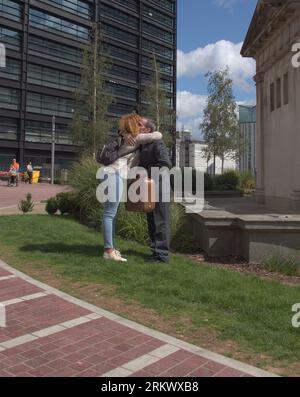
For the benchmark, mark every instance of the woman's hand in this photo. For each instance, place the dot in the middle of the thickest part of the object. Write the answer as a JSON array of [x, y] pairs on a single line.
[[129, 140]]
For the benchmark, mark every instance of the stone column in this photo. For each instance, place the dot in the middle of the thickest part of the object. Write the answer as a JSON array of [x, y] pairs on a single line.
[[260, 150]]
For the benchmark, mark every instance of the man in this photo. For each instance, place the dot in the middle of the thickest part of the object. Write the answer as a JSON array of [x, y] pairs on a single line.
[[13, 171], [155, 155]]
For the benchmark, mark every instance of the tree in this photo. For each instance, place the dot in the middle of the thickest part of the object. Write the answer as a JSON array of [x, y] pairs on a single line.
[[155, 102], [90, 123], [220, 124]]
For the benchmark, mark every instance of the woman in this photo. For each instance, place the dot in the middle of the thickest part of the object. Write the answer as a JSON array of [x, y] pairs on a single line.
[[130, 127]]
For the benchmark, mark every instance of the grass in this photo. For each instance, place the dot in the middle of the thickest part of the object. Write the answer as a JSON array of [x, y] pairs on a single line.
[[290, 266], [252, 312]]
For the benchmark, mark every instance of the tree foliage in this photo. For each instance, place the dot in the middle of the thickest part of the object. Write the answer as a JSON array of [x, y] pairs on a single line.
[[220, 123], [90, 124], [155, 102]]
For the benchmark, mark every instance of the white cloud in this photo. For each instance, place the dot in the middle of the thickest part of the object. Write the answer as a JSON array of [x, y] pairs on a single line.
[[190, 105], [218, 56]]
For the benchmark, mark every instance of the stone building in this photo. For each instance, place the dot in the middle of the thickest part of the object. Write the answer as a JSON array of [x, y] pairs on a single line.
[[272, 39]]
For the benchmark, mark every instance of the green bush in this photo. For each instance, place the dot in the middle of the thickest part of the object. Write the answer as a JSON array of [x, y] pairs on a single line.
[[26, 205], [230, 180], [208, 182], [51, 206], [65, 202], [247, 181], [280, 263]]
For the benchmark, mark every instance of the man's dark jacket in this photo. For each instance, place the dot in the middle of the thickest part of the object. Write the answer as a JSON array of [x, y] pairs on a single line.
[[154, 154]]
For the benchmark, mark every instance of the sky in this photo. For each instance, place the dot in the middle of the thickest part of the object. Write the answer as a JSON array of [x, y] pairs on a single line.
[[210, 37]]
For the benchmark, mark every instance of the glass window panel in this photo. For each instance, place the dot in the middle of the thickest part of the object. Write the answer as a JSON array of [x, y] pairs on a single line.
[[12, 70], [77, 7], [10, 37], [11, 10], [8, 128], [9, 98], [43, 20]]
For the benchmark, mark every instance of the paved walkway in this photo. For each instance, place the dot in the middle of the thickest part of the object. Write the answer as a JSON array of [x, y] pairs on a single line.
[[49, 333], [11, 196]]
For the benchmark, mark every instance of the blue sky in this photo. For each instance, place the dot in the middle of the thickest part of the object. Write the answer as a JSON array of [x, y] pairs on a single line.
[[210, 35]]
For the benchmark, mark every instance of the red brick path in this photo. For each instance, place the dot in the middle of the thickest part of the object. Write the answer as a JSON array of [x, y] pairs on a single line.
[[10, 196], [93, 348]]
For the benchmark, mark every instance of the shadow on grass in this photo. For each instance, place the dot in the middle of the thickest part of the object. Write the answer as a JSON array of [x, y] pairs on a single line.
[[59, 248], [76, 249]]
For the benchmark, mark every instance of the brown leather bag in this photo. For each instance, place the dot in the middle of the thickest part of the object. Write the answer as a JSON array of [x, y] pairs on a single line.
[[148, 203]]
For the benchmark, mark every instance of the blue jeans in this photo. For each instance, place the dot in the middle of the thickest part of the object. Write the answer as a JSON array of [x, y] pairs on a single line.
[[111, 210]]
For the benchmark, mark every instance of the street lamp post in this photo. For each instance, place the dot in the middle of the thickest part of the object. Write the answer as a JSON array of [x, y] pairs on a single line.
[[53, 150]]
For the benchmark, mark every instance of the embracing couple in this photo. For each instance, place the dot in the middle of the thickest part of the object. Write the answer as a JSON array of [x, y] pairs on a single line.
[[141, 146]]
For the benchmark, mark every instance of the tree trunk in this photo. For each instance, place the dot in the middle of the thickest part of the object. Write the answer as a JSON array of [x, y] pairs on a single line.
[[157, 93], [95, 89]]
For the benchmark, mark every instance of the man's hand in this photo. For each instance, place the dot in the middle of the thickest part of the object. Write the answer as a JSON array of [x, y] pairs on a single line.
[[129, 139]]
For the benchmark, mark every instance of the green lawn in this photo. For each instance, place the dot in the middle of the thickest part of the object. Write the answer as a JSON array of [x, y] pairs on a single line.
[[254, 313]]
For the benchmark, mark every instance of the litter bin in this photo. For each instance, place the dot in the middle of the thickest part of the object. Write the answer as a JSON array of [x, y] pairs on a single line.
[[35, 176]]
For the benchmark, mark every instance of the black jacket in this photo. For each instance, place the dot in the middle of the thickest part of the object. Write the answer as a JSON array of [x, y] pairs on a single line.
[[154, 154]]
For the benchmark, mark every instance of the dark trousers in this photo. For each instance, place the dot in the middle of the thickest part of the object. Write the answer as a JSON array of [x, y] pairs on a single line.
[[159, 231]]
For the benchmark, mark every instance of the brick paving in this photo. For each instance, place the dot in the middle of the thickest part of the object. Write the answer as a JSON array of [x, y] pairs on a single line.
[[55, 335], [11, 196]]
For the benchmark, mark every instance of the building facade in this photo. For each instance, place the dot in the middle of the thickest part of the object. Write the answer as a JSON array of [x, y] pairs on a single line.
[[247, 122], [44, 41], [191, 153], [272, 36]]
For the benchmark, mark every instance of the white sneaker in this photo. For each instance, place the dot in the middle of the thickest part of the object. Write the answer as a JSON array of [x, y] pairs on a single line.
[[113, 256]]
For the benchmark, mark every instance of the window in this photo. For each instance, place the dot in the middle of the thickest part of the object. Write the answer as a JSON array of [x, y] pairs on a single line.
[[158, 49], [122, 90], [119, 34], [55, 50], [12, 70], [38, 131], [121, 72], [120, 53], [121, 108], [158, 33], [278, 93], [10, 37], [167, 85], [164, 68], [77, 7], [52, 78], [286, 89], [119, 16], [8, 128], [10, 9], [167, 4], [272, 97], [46, 104], [9, 98], [129, 3], [156, 16], [42, 20]]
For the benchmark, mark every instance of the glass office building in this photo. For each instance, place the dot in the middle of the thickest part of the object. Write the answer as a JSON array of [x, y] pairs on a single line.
[[44, 41], [247, 121]]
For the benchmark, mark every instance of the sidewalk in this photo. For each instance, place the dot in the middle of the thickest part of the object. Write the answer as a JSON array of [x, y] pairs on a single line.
[[52, 334], [11, 196]]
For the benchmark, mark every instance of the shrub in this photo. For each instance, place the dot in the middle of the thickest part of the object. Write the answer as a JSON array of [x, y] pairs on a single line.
[[65, 202], [247, 181], [51, 206], [83, 180], [280, 263], [26, 205], [228, 181], [208, 183]]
